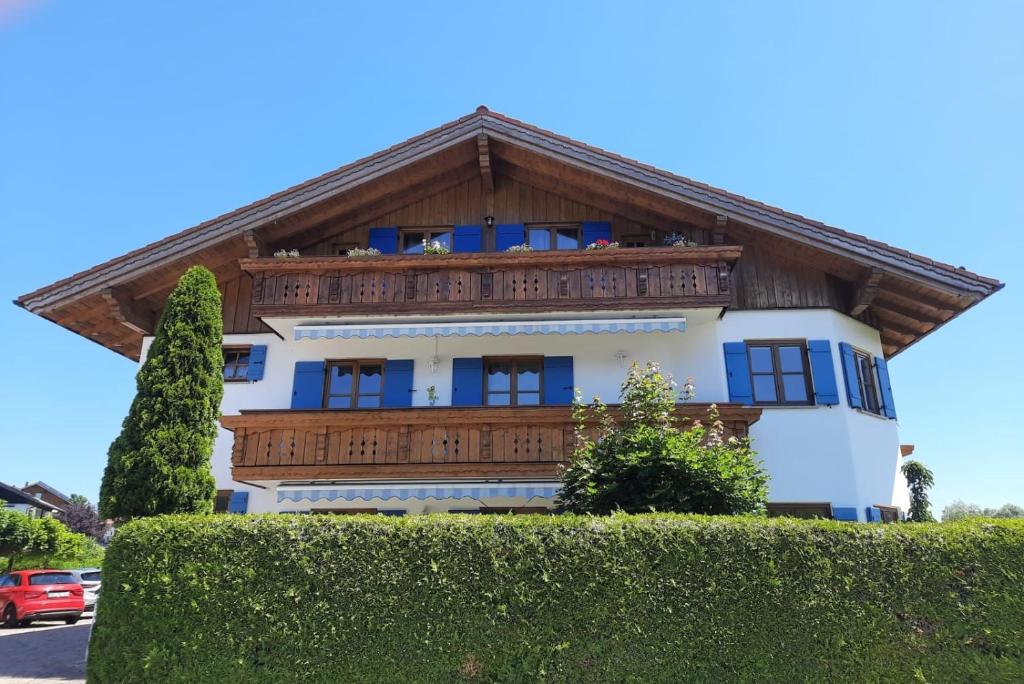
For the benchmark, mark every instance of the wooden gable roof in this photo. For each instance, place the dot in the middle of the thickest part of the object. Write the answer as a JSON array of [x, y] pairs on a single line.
[[116, 302]]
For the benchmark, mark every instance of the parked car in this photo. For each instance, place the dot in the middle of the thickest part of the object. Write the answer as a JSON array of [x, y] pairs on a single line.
[[27, 595], [90, 580]]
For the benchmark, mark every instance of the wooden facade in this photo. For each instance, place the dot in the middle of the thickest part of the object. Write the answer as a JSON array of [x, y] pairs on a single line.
[[420, 442]]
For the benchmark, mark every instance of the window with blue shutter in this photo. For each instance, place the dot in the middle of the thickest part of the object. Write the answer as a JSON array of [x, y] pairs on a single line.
[[468, 239], [850, 375], [384, 239], [823, 372], [558, 380], [468, 382], [508, 235], [885, 388], [257, 362], [398, 383], [596, 230], [239, 502], [873, 514], [737, 369], [308, 385]]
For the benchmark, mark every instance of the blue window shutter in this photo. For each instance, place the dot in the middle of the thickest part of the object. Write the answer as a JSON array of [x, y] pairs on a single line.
[[737, 370], [844, 513], [397, 383], [508, 235], [384, 239], [468, 239], [467, 382], [257, 361], [823, 372], [850, 375], [239, 502], [308, 386], [558, 387], [885, 388], [596, 230], [874, 515]]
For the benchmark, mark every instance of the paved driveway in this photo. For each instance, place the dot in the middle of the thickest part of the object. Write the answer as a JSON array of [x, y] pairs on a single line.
[[47, 652]]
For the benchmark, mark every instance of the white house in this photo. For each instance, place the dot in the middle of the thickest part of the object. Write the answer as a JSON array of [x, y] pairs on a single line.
[[405, 382]]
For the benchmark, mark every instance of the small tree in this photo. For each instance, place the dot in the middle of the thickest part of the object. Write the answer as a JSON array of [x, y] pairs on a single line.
[[43, 538], [648, 463], [160, 463], [15, 534], [81, 516], [919, 480]]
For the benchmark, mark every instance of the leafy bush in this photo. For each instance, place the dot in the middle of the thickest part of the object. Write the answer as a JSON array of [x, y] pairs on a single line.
[[647, 463], [648, 598], [160, 463]]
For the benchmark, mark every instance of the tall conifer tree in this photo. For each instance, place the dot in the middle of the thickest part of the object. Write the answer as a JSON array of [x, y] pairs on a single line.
[[160, 463]]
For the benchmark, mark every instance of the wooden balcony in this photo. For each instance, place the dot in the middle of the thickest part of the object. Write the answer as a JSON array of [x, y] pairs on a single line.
[[436, 442], [642, 278]]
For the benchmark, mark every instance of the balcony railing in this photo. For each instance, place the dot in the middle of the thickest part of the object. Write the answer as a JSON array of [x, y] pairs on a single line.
[[419, 442], [641, 278]]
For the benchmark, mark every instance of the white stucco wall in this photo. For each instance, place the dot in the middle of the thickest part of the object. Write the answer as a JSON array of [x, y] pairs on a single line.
[[814, 454]]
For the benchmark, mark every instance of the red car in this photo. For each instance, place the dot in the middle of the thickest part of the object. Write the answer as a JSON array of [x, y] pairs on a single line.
[[27, 595]]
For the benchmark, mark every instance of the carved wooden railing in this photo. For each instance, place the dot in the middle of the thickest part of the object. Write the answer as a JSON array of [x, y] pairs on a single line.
[[419, 442], [655, 277]]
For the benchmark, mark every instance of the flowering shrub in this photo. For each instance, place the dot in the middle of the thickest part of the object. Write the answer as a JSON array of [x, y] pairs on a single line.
[[435, 247], [286, 253], [360, 252], [679, 240], [520, 248], [602, 244], [647, 463]]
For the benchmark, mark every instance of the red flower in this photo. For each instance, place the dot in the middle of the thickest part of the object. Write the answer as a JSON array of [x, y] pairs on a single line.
[[602, 243]]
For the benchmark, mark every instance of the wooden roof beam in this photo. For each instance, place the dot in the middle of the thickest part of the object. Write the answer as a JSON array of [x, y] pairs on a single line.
[[883, 308], [255, 244], [127, 312], [866, 291], [932, 307]]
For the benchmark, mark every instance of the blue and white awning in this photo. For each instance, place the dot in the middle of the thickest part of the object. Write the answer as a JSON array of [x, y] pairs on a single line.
[[476, 329], [526, 490]]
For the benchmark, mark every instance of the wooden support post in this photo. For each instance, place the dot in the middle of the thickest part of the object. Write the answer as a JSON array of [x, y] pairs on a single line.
[[866, 291], [127, 312], [718, 234], [486, 173]]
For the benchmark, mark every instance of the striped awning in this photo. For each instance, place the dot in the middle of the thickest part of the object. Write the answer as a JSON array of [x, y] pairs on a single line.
[[526, 490], [476, 329]]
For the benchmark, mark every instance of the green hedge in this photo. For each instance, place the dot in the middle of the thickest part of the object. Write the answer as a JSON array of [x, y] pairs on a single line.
[[650, 598]]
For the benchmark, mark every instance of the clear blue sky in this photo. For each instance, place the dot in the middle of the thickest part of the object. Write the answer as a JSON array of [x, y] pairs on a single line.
[[123, 122]]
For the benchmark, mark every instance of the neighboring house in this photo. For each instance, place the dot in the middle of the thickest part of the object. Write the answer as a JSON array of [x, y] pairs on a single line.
[[406, 382], [43, 491], [20, 500]]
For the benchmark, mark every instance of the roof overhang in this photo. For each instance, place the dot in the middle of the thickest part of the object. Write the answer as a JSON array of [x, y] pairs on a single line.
[[115, 287]]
